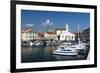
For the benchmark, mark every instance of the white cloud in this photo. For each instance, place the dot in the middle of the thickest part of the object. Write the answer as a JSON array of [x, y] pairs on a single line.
[[44, 24], [29, 25], [47, 22], [51, 23]]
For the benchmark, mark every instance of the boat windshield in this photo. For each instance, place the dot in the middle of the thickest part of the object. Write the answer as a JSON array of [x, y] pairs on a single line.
[[62, 48]]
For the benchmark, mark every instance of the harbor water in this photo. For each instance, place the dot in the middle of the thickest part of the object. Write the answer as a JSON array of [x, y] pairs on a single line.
[[45, 54]]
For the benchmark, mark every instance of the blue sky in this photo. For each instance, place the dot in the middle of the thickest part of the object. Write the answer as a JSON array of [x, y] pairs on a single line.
[[38, 20]]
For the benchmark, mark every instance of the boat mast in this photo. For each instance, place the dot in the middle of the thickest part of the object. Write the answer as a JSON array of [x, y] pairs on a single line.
[[78, 34]]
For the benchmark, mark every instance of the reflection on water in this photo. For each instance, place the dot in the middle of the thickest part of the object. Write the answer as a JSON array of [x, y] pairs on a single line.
[[42, 54]]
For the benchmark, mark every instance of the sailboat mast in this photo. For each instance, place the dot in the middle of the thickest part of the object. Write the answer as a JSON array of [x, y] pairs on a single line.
[[78, 31], [78, 34]]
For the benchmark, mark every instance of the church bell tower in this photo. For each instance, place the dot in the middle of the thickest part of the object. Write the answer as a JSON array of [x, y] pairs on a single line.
[[67, 28]]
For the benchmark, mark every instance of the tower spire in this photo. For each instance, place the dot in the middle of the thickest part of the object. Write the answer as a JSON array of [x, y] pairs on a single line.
[[67, 28]]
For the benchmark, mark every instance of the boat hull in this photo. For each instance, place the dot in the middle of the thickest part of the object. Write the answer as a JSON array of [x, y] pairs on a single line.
[[65, 53]]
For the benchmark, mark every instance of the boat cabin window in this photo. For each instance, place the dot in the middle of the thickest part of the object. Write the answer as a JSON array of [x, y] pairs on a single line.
[[69, 50]]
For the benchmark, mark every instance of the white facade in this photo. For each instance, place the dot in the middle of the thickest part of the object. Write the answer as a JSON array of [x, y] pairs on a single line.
[[66, 35], [27, 36], [59, 31], [51, 35]]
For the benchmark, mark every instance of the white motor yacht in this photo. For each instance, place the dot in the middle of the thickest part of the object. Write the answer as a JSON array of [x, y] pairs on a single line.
[[69, 50], [63, 50]]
